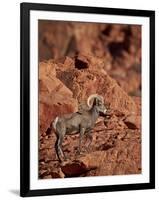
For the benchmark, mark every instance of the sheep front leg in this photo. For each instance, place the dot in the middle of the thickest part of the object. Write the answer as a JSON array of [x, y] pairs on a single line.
[[90, 138], [82, 131]]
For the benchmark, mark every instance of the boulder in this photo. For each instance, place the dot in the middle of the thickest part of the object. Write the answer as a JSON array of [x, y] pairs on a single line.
[[57, 173], [47, 68], [81, 165], [54, 97], [133, 122]]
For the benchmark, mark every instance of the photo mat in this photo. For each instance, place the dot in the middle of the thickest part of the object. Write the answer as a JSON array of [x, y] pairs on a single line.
[[143, 34], [72, 56]]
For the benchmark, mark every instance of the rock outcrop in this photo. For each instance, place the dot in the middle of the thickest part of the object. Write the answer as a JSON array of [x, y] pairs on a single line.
[[116, 145], [54, 97]]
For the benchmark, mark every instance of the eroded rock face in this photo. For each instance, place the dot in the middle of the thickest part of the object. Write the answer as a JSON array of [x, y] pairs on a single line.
[[115, 160], [116, 144], [133, 121], [89, 80], [54, 97], [117, 46], [115, 150]]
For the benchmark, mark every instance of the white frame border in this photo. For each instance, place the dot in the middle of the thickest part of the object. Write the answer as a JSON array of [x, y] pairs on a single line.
[[36, 183]]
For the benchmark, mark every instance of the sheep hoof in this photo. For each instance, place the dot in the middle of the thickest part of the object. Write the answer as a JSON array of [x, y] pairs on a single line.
[[66, 159]]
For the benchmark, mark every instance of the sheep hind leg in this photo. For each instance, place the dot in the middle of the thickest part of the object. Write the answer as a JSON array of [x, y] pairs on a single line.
[[58, 147]]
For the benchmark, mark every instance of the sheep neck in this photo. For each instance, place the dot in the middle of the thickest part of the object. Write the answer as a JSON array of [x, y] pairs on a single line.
[[94, 113]]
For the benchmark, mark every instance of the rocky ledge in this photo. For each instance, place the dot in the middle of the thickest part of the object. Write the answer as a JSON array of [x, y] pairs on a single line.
[[64, 87]]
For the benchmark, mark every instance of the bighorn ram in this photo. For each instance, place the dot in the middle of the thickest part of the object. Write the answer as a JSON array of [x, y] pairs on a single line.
[[78, 122]]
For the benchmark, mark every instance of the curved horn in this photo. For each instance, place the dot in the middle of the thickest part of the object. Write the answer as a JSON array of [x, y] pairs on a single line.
[[93, 96]]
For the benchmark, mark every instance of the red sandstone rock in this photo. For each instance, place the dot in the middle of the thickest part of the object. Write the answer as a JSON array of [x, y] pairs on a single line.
[[74, 169], [86, 82], [81, 164], [57, 173], [46, 69], [54, 97], [133, 122], [91, 62], [111, 161], [116, 147]]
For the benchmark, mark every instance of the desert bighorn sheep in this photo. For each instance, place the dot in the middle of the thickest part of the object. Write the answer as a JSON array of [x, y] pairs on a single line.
[[78, 122]]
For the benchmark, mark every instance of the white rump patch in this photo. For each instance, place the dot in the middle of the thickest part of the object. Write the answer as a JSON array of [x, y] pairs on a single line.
[[55, 122]]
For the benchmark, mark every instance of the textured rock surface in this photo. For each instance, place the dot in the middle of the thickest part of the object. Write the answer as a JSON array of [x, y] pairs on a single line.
[[54, 97], [118, 47], [116, 145], [76, 60], [90, 80], [133, 122]]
